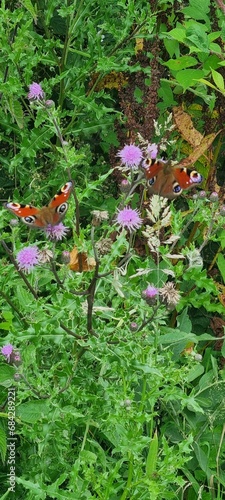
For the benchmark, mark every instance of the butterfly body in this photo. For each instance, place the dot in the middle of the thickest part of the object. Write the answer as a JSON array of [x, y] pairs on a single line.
[[167, 181], [51, 214]]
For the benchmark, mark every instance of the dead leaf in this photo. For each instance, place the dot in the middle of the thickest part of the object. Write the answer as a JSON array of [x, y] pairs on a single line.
[[186, 128]]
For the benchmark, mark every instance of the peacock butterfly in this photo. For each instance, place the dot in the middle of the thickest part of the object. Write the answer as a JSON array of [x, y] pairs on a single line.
[[167, 181], [52, 214]]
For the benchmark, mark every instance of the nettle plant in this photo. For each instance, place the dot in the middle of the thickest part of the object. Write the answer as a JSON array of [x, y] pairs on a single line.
[[105, 341]]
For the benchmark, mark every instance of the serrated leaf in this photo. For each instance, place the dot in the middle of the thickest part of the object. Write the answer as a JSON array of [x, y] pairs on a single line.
[[32, 411], [16, 111], [31, 8]]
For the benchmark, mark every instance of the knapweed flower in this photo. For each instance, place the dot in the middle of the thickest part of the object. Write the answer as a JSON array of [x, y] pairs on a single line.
[[150, 294], [99, 216], [35, 92], [7, 350], [57, 232], [129, 218], [131, 156], [27, 258], [152, 151], [169, 295]]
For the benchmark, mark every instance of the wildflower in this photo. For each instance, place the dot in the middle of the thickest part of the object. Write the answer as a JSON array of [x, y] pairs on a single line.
[[202, 194], [45, 255], [125, 186], [170, 296], [130, 155], [152, 151], [35, 92], [214, 196], [27, 258], [150, 294], [66, 257], [57, 232], [7, 350], [222, 211], [49, 103], [129, 218], [104, 246], [15, 358], [133, 326], [99, 216]]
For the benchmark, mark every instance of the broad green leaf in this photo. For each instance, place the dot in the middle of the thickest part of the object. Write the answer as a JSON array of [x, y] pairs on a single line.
[[188, 77], [181, 63], [221, 265], [32, 411], [178, 34], [195, 372], [218, 79]]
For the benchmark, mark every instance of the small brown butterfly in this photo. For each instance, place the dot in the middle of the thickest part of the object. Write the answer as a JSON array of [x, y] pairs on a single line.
[[52, 214]]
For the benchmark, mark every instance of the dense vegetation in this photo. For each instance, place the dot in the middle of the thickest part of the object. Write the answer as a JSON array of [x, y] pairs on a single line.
[[112, 321]]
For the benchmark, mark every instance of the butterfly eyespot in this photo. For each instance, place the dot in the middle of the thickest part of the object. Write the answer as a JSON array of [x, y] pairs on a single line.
[[29, 219], [176, 188], [61, 209], [152, 181]]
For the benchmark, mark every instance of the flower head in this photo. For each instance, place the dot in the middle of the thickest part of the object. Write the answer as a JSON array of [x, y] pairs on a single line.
[[152, 151], [104, 246], [170, 296], [150, 294], [130, 155], [129, 218], [27, 258], [7, 350], [35, 92], [45, 255], [65, 257], [57, 232], [214, 196]]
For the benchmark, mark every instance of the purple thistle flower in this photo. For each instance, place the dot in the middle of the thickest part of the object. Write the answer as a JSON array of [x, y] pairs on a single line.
[[150, 294], [27, 258], [152, 151], [7, 350], [128, 218], [35, 92], [130, 155], [57, 232]]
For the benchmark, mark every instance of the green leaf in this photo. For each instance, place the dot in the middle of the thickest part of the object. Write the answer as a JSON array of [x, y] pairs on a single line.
[[188, 77], [3, 443], [172, 47], [32, 411], [181, 63], [152, 456], [195, 372], [197, 35], [178, 34], [221, 265], [16, 111], [31, 8], [218, 80]]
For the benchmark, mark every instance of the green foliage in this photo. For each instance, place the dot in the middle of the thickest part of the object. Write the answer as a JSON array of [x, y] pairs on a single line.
[[118, 396]]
